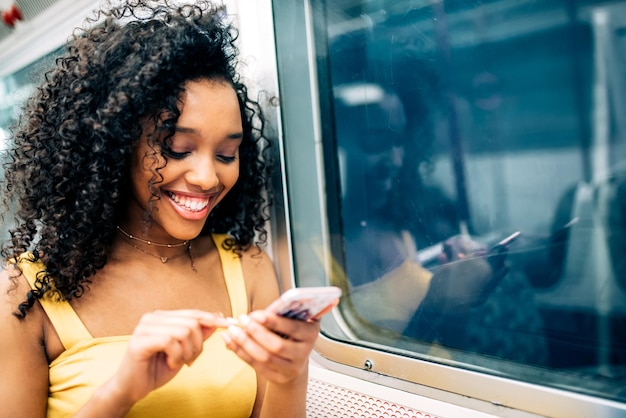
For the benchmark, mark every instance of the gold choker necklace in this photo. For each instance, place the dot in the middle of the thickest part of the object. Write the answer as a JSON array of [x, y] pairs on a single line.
[[163, 259], [166, 259], [156, 244]]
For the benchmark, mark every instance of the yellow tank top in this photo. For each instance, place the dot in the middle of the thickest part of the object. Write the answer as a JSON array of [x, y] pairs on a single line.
[[218, 384]]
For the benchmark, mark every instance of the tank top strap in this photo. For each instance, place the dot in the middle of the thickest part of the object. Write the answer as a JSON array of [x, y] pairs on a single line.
[[66, 322], [233, 275]]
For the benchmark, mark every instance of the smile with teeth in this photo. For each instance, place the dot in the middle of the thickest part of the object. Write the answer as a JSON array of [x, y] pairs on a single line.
[[192, 204]]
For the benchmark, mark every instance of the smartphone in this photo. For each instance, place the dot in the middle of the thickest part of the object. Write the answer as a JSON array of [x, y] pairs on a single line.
[[503, 245], [306, 303]]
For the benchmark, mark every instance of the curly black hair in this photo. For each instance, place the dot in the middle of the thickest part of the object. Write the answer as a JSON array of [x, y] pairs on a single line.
[[70, 160]]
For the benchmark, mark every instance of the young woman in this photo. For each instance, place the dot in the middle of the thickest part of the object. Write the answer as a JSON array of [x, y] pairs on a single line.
[[139, 178]]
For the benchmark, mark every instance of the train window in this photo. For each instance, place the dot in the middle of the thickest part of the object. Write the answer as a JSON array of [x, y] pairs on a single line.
[[445, 128], [15, 88]]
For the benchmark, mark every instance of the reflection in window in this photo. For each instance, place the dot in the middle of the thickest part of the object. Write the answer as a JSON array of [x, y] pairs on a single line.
[[458, 124]]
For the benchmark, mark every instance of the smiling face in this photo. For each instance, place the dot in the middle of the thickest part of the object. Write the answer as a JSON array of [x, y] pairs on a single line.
[[371, 136], [202, 164]]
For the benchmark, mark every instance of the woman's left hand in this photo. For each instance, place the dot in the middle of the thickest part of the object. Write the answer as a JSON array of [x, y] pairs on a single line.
[[278, 348]]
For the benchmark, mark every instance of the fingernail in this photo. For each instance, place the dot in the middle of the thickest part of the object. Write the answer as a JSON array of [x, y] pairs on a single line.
[[260, 317], [244, 320], [234, 331]]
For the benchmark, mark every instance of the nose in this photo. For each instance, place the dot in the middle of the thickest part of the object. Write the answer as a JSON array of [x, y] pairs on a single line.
[[203, 174]]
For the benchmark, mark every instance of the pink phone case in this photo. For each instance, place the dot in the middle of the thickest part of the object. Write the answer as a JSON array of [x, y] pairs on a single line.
[[306, 302]]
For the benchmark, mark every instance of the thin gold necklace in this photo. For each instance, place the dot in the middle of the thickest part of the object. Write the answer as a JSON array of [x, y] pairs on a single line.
[[163, 259], [156, 244]]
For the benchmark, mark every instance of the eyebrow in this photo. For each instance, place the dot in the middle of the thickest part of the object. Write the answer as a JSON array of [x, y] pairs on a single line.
[[236, 135]]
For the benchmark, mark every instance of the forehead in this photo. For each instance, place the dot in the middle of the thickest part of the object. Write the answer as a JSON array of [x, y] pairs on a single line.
[[208, 109], [214, 96]]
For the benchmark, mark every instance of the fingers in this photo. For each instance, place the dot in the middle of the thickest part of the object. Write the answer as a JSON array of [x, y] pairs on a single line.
[[268, 363], [276, 347], [459, 247], [178, 334], [296, 330], [161, 344]]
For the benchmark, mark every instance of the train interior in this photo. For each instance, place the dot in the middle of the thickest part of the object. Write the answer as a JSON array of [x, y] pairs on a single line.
[[409, 132]]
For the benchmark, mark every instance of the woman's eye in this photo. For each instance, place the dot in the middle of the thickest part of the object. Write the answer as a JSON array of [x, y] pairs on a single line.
[[168, 152], [226, 158]]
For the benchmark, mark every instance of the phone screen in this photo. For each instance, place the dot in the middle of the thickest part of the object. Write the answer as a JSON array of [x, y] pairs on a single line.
[[503, 245], [306, 303]]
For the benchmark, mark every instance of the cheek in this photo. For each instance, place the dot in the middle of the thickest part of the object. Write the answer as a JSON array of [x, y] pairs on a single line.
[[140, 180], [228, 178], [231, 175], [140, 176]]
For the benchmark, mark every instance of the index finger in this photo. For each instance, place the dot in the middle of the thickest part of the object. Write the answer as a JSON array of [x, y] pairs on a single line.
[[211, 320], [204, 318]]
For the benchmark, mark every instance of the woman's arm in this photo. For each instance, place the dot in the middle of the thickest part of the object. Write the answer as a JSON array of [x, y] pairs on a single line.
[[278, 348], [23, 361], [161, 344]]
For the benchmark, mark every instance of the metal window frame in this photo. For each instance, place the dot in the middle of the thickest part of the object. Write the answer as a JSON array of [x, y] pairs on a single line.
[[304, 160]]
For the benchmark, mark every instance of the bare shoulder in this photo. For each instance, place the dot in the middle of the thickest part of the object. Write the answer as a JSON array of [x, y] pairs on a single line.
[[256, 259], [260, 277], [24, 379]]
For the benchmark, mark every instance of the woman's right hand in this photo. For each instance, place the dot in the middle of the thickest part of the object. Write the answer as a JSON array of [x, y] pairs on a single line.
[[467, 275], [162, 343]]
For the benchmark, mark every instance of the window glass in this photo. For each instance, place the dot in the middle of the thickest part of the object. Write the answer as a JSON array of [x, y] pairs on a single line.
[[15, 89], [458, 125]]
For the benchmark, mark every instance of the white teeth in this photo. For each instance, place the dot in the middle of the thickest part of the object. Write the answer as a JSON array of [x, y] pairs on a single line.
[[192, 204]]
